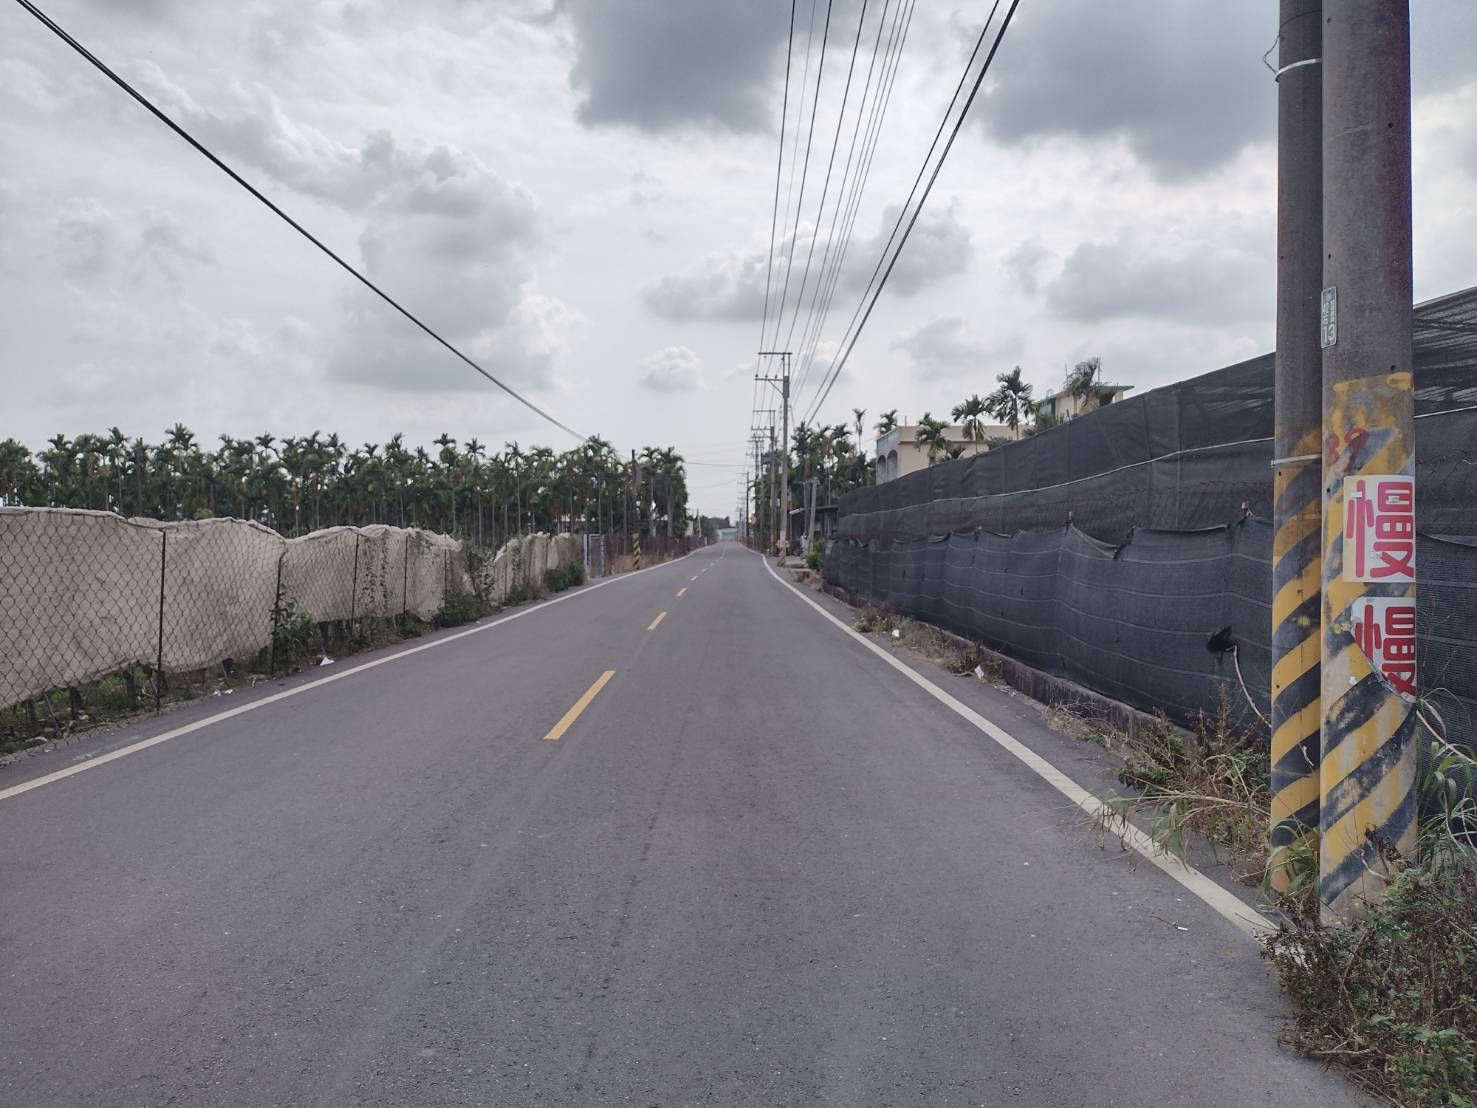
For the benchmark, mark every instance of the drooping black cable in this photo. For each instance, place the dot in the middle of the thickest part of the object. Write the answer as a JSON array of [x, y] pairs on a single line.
[[294, 224], [840, 363]]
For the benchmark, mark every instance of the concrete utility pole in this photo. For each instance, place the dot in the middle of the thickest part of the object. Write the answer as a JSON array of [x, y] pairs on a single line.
[[762, 522], [1297, 487], [773, 526], [783, 380], [1368, 763]]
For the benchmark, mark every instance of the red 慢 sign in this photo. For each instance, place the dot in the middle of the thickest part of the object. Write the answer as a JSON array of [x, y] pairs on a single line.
[[1379, 529], [1384, 628]]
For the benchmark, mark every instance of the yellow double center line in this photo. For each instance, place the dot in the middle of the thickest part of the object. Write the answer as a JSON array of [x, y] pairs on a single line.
[[567, 720]]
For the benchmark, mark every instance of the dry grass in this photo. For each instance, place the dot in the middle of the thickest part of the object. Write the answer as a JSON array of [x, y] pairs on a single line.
[[1214, 786]]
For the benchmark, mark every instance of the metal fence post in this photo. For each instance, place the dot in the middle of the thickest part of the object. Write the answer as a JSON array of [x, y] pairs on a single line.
[[354, 589], [159, 653], [405, 578], [276, 614]]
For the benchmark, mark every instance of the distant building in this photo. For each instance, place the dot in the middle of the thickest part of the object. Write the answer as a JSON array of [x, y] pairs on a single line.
[[1063, 406], [898, 451]]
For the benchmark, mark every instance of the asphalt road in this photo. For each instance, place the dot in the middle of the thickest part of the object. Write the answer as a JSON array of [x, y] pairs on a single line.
[[759, 868]]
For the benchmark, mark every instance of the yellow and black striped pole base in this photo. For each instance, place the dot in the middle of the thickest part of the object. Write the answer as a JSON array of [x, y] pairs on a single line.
[[1368, 751], [636, 550], [1297, 559]]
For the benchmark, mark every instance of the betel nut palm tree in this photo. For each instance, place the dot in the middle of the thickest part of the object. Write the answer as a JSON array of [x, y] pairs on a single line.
[[933, 436], [969, 415], [1010, 403]]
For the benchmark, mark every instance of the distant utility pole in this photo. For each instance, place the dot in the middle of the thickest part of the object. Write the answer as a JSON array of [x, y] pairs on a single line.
[[1370, 728], [762, 522], [783, 380], [1297, 488], [773, 500]]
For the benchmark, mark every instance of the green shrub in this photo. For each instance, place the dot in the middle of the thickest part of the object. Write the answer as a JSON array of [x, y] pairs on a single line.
[[293, 635], [816, 559], [1392, 999], [564, 577], [458, 607]]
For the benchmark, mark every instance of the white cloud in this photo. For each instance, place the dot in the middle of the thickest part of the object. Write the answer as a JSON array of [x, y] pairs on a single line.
[[673, 369], [950, 347]]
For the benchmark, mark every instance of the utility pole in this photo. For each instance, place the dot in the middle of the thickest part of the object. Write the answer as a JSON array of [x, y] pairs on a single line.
[[1297, 485], [773, 526], [783, 380], [1369, 735]]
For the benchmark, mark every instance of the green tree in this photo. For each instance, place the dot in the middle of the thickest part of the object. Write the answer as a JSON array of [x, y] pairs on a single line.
[[933, 436], [969, 415], [1010, 403], [1083, 384]]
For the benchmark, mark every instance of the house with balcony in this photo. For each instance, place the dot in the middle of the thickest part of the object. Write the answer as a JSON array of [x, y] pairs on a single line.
[[898, 452], [1062, 406]]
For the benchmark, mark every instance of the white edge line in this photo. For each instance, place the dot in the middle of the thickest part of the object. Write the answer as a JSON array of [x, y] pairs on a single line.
[[1245, 919], [178, 732]]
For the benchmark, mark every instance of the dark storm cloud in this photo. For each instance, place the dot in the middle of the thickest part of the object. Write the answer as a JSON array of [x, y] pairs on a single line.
[[660, 66], [1181, 81]]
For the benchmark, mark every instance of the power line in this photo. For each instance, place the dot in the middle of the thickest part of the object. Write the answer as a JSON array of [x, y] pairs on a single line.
[[892, 60], [838, 364], [848, 182], [820, 75], [51, 25], [830, 165], [778, 165], [795, 155], [917, 180]]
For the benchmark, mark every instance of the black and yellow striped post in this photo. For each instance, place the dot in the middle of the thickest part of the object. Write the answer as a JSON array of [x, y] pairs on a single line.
[[1297, 489], [636, 550], [1368, 750]]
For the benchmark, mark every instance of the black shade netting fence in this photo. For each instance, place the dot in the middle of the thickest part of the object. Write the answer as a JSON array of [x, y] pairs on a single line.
[[1191, 455], [1162, 622]]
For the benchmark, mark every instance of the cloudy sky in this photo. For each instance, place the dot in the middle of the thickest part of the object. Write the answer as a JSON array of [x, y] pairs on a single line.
[[580, 194]]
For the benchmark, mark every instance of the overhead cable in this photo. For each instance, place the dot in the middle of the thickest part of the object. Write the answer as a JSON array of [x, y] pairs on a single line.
[[820, 76], [891, 60], [294, 224], [840, 362]]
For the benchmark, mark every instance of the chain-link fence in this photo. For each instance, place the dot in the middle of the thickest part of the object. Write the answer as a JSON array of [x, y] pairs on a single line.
[[85, 595]]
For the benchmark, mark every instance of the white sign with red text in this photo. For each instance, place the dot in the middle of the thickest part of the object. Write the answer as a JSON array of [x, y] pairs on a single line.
[[1384, 628], [1379, 529]]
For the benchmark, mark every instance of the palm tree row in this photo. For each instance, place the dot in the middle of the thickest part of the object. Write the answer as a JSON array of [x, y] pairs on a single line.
[[826, 454], [297, 485]]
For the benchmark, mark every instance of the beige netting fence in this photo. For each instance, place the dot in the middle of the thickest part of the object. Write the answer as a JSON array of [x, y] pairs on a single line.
[[86, 594]]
